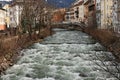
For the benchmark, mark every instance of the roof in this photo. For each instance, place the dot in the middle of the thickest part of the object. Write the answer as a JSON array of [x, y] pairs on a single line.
[[79, 3]]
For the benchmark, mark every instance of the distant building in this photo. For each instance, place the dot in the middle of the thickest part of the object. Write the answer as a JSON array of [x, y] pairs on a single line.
[[7, 8], [58, 15], [86, 11], [69, 15], [76, 12], [2, 19], [15, 12], [79, 11], [116, 15]]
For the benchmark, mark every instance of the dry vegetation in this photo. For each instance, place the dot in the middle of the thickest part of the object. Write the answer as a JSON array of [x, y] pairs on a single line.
[[34, 20], [108, 39]]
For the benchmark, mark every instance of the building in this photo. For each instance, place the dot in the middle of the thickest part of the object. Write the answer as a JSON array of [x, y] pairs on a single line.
[[98, 13], [116, 15], [7, 8], [76, 12], [69, 15], [58, 15], [79, 11], [92, 14], [2, 19], [15, 12], [104, 13]]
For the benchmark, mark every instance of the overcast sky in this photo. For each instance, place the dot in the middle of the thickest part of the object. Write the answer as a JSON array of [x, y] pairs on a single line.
[[5, 0]]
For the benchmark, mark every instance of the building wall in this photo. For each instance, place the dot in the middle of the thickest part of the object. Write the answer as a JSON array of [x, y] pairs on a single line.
[[98, 13], [70, 15], [86, 13], [106, 14], [2, 19], [15, 12], [116, 15], [58, 15], [7, 8], [76, 12], [92, 14], [81, 13]]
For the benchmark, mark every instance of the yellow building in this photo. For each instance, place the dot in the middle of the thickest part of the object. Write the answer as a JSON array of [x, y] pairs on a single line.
[[106, 14]]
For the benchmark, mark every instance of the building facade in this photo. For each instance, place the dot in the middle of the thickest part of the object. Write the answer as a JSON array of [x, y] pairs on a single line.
[[104, 14], [69, 15], [92, 14], [76, 12], [116, 15], [7, 8], [15, 12], [86, 11], [98, 13]]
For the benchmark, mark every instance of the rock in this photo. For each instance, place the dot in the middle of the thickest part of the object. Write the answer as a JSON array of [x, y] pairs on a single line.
[[82, 75]]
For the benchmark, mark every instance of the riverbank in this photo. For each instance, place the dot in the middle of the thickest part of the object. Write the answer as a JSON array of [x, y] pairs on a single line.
[[10, 47], [106, 38]]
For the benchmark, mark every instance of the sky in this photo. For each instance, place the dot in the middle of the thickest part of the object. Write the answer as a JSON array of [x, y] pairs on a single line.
[[5, 0], [57, 3]]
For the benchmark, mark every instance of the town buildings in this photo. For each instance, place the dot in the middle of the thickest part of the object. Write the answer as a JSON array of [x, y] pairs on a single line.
[[101, 14]]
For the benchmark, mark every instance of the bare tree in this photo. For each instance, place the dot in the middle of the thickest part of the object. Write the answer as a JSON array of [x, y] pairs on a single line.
[[108, 64], [35, 14]]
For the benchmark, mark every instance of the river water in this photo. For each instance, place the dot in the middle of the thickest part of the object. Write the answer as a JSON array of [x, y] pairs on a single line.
[[66, 55]]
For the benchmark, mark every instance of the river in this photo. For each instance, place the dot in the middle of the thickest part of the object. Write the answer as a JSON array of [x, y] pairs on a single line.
[[66, 55]]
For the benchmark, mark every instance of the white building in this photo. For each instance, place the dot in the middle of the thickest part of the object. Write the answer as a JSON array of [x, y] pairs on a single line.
[[15, 13], [116, 15], [76, 12]]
